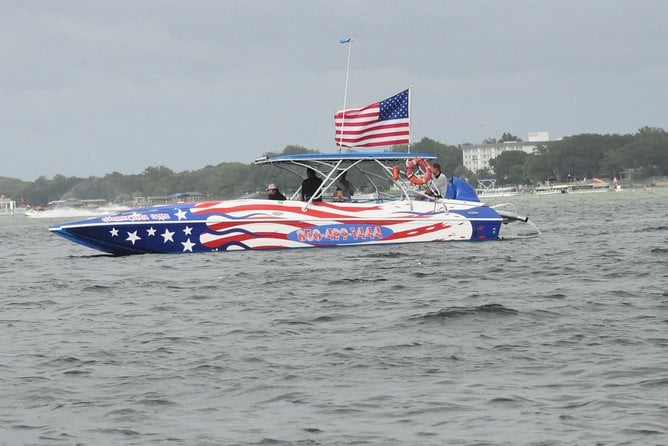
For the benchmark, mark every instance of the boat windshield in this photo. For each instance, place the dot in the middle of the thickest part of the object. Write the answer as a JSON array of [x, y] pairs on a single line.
[[383, 171]]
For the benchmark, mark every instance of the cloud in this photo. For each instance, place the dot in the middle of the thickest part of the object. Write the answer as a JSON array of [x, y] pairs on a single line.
[[89, 88]]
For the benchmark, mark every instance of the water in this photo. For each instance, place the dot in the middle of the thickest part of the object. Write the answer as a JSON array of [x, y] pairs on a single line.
[[558, 339]]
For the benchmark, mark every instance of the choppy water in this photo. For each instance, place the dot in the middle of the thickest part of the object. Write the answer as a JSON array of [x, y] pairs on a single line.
[[548, 340]]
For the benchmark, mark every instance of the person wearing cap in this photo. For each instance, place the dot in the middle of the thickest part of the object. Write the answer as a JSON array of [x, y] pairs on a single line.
[[273, 193]]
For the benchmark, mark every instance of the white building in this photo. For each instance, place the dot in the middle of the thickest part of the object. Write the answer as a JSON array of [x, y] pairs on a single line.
[[477, 156]]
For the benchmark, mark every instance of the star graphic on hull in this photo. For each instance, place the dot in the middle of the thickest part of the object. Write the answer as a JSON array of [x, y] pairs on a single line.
[[114, 232], [180, 214], [188, 230], [167, 236], [188, 245], [133, 237], [151, 231]]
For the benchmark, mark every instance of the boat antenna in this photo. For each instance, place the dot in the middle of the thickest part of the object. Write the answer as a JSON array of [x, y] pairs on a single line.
[[349, 41]]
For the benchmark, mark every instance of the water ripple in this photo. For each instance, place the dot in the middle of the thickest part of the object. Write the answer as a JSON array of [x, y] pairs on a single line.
[[552, 340]]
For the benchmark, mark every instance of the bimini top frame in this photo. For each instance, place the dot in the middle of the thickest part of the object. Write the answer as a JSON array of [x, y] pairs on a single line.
[[330, 166]]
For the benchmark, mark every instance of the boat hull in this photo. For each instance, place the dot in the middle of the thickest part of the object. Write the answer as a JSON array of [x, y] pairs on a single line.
[[266, 224]]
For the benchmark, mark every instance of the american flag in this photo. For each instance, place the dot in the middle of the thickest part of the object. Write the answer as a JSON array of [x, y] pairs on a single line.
[[383, 123]]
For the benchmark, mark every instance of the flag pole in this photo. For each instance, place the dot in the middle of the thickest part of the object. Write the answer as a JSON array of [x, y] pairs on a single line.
[[345, 91], [410, 113]]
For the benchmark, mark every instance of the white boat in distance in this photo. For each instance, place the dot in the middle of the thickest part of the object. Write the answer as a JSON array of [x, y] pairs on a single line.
[[251, 224], [487, 189], [547, 188], [572, 188], [7, 205]]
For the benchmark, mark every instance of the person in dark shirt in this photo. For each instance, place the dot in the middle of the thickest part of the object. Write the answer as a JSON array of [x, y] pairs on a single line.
[[310, 185], [273, 193]]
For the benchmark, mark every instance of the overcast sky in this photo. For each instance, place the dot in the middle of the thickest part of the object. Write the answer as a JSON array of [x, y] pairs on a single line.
[[94, 87]]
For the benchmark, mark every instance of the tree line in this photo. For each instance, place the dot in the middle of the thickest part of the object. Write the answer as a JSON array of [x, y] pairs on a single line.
[[641, 156], [644, 153]]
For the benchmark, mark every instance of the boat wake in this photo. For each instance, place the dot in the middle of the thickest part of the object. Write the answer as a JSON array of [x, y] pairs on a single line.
[[73, 212]]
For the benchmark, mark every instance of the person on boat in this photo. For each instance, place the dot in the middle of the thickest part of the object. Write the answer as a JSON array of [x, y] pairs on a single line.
[[310, 185], [438, 183], [273, 193], [346, 187], [338, 195]]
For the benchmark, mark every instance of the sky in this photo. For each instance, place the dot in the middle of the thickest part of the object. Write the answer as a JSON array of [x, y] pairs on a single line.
[[89, 88]]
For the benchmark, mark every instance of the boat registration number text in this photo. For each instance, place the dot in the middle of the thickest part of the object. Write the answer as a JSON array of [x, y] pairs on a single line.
[[340, 234]]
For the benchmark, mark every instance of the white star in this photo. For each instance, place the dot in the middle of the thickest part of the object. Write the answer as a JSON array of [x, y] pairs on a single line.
[[180, 214], [150, 231], [114, 232], [167, 236], [188, 230], [133, 237], [188, 245]]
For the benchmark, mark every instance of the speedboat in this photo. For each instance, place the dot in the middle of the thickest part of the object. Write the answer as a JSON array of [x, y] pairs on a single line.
[[399, 206]]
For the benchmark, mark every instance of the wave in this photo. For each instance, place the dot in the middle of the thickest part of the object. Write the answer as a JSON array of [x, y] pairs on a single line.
[[652, 228], [459, 312]]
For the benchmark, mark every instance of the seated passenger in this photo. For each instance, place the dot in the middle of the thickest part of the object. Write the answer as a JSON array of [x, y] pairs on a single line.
[[273, 193], [338, 195], [346, 187]]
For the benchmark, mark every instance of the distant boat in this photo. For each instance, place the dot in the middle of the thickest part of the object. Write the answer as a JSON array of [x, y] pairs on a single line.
[[548, 189], [588, 186], [487, 189], [7, 206], [584, 186]]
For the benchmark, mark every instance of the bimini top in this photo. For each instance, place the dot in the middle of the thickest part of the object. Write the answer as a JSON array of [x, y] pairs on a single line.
[[382, 166], [349, 156]]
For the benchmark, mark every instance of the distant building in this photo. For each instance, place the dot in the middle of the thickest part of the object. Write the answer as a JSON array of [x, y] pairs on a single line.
[[477, 156]]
